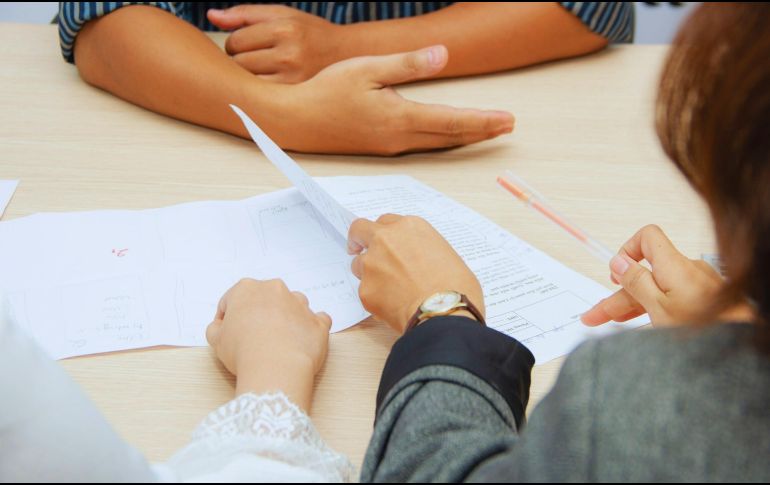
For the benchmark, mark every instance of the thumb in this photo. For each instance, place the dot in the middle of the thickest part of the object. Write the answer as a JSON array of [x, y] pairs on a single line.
[[638, 281], [405, 67]]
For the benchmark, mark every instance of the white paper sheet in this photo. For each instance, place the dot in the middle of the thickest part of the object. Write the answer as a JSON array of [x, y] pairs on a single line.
[[528, 294], [7, 189], [92, 282], [338, 216]]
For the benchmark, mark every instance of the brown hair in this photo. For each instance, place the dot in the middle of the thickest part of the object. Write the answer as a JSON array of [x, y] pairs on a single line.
[[713, 120]]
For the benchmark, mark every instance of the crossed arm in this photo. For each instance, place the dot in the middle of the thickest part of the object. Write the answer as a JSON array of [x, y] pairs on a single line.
[[151, 58], [289, 45]]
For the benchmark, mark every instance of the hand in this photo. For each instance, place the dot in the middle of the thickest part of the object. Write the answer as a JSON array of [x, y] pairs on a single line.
[[268, 337], [349, 108], [406, 261], [674, 292], [280, 43]]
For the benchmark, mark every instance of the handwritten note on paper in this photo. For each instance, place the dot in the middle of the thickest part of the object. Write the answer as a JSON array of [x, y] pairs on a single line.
[[338, 216], [7, 189]]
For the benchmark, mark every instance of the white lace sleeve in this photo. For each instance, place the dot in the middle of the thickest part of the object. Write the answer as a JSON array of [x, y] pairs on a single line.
[[258, 438]]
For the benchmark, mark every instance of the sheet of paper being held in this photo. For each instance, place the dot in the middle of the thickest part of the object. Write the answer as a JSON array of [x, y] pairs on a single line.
[[332, 211]]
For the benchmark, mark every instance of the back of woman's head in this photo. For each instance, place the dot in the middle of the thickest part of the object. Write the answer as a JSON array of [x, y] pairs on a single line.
[[713, 119]]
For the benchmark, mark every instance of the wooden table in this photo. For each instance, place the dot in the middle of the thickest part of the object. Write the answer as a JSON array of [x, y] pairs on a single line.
[[584, 136]]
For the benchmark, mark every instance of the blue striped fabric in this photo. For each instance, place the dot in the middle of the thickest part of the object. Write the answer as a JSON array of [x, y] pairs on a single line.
[[613, 20]]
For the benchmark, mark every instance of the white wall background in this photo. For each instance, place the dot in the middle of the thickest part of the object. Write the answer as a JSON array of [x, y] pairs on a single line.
[[29, 12], [654, 25], [658, 24]]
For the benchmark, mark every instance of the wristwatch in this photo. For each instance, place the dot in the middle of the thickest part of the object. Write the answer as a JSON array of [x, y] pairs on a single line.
[[441, 304]]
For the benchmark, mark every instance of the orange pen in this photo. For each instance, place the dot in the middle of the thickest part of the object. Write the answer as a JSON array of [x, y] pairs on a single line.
[[522, 191]]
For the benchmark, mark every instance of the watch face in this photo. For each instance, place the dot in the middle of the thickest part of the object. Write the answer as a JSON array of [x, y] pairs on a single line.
[[441, 302]]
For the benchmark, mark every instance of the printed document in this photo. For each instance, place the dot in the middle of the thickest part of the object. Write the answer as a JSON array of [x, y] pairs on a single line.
[[91, 282]]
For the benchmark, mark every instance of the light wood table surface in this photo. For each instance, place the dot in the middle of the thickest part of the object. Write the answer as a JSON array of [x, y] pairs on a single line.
[[584, 137]]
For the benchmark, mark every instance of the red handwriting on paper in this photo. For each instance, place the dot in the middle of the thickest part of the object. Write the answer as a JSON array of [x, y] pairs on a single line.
[[119, 252]]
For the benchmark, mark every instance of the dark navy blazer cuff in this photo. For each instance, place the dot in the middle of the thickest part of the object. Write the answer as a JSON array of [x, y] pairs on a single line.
[[501, 361]]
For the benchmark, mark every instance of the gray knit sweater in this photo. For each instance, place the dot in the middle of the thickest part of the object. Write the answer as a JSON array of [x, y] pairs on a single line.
[[660, 405]]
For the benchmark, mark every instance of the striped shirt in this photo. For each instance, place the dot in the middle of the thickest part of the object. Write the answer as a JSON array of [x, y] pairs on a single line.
[[612, 20]]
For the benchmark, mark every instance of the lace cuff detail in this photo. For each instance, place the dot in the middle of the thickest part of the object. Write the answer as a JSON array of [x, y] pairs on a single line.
[[268, 426]]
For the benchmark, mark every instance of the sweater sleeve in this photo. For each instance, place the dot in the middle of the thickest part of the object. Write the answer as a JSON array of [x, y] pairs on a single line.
[[49, 430], [452, 395], [558, 442], [461, 418]]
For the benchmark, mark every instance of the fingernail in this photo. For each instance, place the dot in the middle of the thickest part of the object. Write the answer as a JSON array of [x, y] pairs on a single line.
[[618, 265], [505, 121], [585, 321], [216, 10], [354, 247], [434, 56]]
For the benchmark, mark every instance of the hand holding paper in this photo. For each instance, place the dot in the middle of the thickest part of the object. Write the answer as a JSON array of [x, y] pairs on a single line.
[[407, 260]]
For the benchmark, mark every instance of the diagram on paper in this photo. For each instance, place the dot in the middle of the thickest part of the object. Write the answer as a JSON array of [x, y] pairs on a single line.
[[536, 320], [287, 227]]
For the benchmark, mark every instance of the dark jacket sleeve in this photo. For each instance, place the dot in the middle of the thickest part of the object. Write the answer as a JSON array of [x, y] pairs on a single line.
[[452, 395], [451, 408]]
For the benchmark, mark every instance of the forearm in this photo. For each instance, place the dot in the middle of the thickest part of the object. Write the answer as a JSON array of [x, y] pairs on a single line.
[[481, 37], [153, 59]]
